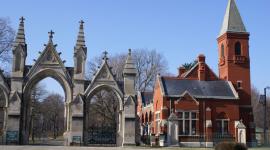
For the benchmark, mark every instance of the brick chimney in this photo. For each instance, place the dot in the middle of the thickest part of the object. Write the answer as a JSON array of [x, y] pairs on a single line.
[[201, 70], [181, 71]]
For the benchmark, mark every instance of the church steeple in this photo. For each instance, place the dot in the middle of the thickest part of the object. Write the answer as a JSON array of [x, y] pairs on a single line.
[[232, 20], [20, 37]]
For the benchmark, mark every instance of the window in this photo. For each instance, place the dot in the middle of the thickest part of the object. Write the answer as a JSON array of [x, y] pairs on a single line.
[[157, 122], [187, 123], [222, 126], [238, 48], [239, 84], [222, 51]]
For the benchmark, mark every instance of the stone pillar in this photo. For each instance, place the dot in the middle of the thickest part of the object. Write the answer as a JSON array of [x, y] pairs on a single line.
[[76, 133], [13, 119], [129, 123], [172, 134]]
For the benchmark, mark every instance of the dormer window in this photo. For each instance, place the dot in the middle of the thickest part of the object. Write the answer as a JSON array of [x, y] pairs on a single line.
[[238, 48]]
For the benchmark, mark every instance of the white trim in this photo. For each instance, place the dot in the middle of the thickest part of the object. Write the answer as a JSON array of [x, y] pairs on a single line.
[[233, 89]]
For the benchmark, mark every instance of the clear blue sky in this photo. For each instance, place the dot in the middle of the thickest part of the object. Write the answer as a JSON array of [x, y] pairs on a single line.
[[179, 29]]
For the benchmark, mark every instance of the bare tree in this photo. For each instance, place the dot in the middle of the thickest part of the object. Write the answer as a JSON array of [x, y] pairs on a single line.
[[148, 63], [7, 34], [37, 95], [52, 110], [258, 108]]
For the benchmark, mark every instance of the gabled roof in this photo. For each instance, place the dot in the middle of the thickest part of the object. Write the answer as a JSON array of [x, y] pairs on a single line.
[[232, 20], [147, 97], [188, 95], [49, 56], [173, 87], [195, 68], [104, 76]]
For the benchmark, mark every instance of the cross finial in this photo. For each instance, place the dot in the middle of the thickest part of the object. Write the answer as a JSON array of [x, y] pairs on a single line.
[[81, 22], [22, 19], [105, 53], [51, 34]]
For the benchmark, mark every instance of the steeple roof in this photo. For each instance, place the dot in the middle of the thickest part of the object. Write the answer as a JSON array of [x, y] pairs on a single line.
[[130, 67], [80, 39], [20, 37], [232, 20]]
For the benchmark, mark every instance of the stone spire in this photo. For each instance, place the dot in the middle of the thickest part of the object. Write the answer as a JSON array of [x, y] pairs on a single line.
[[20, 37], [130, 67], [80, 39], [232, 20]]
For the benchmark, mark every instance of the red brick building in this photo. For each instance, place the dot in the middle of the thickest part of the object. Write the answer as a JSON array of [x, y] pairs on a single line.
[[199, 107]]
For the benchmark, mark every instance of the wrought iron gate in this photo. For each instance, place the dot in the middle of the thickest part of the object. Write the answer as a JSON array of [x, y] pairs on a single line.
[[103, 135]]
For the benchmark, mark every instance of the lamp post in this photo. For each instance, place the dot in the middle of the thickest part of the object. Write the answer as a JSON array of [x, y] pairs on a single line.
[[265, 108]]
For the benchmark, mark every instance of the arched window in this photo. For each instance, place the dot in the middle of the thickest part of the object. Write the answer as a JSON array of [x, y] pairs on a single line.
[[222, 50], [238, 48]]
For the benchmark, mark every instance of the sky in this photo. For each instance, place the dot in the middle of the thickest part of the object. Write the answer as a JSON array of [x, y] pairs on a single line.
[[178, 29]]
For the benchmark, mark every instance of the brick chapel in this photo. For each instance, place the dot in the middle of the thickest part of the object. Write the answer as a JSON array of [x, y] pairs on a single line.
[[199, 107]]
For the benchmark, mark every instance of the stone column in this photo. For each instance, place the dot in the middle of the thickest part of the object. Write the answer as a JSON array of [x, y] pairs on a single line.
[[13, 119], [129, 123], [76, 132], [172, 134]]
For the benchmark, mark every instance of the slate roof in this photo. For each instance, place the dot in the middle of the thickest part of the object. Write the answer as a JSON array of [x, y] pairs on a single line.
[[147, 97], [173, 87]]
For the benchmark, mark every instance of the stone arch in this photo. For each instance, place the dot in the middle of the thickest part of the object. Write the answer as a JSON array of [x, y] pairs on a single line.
[[97, 88], [120, 118], [3, 107], [29, 85]]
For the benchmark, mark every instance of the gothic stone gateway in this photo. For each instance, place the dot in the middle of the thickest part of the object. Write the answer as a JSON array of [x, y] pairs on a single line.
[[16, 90]]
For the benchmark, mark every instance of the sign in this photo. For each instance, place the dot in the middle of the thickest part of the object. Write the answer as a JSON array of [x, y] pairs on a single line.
[[76, 139], [12, 136]]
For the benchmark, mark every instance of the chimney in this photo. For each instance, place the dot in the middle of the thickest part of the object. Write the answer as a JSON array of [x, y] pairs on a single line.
[[181, 71], [201, 71]]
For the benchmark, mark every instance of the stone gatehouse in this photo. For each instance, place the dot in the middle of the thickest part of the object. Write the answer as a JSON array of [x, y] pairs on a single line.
[[15, 91]]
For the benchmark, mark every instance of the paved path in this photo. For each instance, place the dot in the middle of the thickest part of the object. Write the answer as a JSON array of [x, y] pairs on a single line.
[[29, 147]]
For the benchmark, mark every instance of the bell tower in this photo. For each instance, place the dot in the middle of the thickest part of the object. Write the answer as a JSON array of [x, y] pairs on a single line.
[[234, 61], [233, 43]]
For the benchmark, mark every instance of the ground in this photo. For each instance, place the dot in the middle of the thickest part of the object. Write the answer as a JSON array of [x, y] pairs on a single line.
[[100, 148]]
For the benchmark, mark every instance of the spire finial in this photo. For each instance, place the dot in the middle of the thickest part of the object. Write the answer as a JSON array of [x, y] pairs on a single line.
[[51, 33], [20, 37], [105, 53], [80, 39], [129, 51], [22, 19], [81, 22]]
